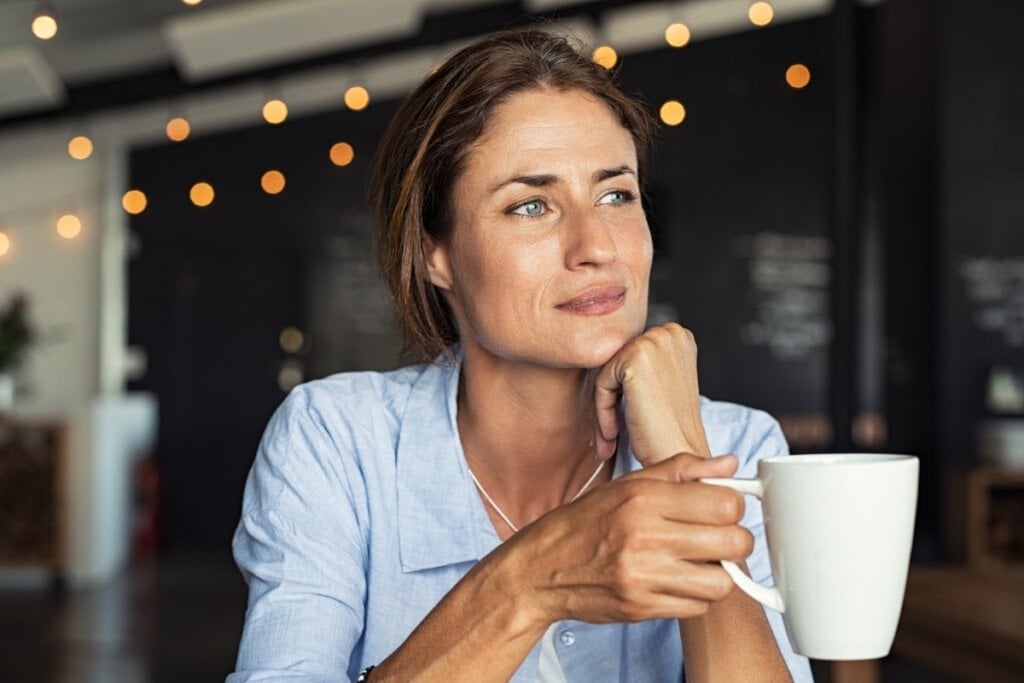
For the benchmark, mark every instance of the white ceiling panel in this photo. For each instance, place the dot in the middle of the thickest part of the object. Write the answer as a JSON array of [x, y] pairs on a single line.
[[642, 27], [240, 38], [116, 55], [27, 81]]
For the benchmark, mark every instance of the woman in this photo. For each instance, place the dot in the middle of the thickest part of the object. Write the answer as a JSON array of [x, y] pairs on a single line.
[[526, 506]]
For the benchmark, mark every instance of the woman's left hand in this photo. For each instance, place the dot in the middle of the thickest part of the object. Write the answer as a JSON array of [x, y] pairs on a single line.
[[656, 375]]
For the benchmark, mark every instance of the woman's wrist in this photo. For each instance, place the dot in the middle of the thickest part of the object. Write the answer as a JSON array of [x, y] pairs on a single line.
[[512, 583]]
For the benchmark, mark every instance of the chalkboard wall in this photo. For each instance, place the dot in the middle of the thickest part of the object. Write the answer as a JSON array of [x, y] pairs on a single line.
[[980, 219]]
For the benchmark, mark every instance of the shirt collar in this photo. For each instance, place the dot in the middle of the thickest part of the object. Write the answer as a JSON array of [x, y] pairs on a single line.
[[438, 508]]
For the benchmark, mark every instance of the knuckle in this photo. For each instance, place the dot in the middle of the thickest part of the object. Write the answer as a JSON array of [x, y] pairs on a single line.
[[730, 506], [740, 543], [623, 581], [720, 586], [682, 334], [635, 495]]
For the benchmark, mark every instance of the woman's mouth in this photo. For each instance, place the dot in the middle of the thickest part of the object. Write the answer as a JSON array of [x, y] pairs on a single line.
[[595, 301]]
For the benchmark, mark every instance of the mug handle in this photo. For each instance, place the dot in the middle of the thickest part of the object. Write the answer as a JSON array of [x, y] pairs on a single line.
[[767, 596]]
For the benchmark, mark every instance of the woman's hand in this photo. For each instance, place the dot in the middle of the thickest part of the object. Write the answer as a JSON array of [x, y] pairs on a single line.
[[657, 374], [636, 548]]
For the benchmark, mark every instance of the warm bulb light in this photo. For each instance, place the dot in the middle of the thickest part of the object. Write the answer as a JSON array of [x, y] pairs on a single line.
[[761, 14], [357, 98], [80, 147], [68, 226], [134, 202], [672, 113], [798, 76], [192, 3], [605, 56], [5, 244], [201, 194], [677, 35], [291, 339], [44, 25], [272, 182], [275, 112], [178, 129], [342, 154]]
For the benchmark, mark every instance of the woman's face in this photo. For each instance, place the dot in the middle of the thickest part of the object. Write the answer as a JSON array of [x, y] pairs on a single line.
[[550, 254]]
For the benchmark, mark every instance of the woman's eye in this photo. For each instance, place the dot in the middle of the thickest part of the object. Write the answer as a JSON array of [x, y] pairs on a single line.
[[617, 197], [531, 208]]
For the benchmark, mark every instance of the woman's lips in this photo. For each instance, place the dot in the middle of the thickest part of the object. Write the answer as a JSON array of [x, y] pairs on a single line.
[[596, 301]]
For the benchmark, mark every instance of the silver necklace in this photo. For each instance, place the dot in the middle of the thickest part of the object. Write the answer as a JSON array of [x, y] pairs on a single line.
[[501, 513]]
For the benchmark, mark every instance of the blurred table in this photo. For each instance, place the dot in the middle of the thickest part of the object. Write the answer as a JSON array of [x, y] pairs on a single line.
[[969, 624]]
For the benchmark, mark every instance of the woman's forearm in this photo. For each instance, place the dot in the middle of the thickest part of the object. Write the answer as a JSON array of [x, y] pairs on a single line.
[[732, 642], [481, 631]]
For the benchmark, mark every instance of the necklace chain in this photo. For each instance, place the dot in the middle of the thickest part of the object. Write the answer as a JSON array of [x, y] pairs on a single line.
[[502, 514]]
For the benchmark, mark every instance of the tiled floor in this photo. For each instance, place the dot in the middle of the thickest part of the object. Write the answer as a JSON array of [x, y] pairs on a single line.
[[177, 620]]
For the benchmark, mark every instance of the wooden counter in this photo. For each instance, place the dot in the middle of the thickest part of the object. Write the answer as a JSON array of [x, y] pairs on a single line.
[[968, 624]]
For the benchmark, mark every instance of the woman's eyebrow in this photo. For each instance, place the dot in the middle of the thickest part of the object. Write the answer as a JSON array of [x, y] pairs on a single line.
[[542, 180], [531, 180], [607, 173]]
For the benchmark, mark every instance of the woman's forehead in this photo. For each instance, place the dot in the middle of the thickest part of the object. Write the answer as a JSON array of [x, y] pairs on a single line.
[[546, 125]]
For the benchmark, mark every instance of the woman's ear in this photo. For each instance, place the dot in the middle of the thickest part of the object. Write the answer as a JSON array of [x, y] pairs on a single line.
[[439, 268]]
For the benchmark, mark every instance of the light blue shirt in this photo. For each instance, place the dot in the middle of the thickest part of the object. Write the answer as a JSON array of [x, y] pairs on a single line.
[[359, 515]]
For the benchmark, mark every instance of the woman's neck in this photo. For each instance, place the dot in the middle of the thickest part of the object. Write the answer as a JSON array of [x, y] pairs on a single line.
[[527, 432]]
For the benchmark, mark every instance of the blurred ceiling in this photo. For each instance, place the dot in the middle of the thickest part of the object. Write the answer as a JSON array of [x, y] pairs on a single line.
[[113, 53], [105, 40]]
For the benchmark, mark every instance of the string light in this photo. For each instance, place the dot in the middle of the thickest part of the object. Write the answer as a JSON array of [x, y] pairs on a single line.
[[761, 14], [605, 56], [44, 24], [798, 76], [677, 35], [272, 182], [134, 202], [5, 244], [291, 339], [178, 129], [357, 98], [80, 147], [342, 154], [672, 113], [275, 112], [69, 226], [201, 194]]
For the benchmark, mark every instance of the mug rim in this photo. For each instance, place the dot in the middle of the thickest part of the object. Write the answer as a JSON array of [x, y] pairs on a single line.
[[838, 459]]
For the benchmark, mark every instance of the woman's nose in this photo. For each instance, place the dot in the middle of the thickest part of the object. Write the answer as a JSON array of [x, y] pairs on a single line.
[[591, 240]]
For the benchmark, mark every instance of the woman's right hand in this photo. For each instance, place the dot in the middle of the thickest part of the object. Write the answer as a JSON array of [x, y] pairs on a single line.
[[640, 547]]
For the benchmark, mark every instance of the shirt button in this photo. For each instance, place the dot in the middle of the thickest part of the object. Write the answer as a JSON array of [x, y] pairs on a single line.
[[568, 637]]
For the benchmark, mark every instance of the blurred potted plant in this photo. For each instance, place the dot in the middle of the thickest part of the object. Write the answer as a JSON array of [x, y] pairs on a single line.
[[16, 336]]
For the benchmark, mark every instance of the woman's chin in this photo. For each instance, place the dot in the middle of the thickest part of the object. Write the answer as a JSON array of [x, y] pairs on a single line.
[[590, 354]]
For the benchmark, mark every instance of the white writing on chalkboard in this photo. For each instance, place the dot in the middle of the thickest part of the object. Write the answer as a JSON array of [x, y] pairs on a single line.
[[995, 290], [789, 277]]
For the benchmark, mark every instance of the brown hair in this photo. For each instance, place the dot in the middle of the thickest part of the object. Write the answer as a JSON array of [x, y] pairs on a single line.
[[423, 149]]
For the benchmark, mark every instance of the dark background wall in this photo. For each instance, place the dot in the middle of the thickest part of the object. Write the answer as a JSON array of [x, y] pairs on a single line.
[[980, 226], [744, 201], [212, 288]]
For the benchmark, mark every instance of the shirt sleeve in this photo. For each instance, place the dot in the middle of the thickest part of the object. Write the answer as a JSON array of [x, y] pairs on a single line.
[[766, 441], [302, 552]]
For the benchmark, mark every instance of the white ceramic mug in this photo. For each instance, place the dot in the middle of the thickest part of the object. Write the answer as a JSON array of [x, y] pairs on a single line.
[[839, 529]]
